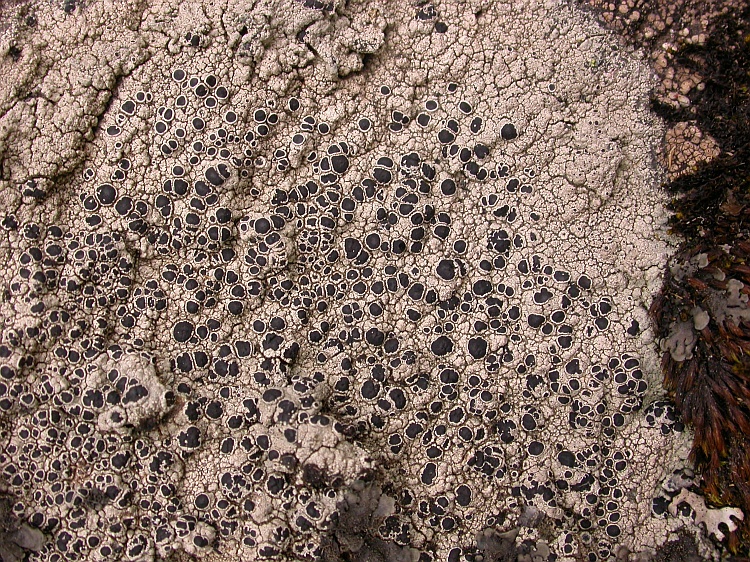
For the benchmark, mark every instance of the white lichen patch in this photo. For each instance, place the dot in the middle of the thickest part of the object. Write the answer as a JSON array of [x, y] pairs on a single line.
[[255, 254], [711, 518]]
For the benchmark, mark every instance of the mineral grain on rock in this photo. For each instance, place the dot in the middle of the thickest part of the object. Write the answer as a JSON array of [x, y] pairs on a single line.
[[256, 255]]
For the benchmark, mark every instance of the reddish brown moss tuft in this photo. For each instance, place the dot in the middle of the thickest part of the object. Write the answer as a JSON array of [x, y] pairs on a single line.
[[711, 389]]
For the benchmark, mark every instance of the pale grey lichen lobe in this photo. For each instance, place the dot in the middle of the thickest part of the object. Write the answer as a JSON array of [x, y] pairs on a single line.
[[308, 243]]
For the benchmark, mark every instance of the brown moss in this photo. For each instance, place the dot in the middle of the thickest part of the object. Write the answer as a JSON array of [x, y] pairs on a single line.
[[712, 388]]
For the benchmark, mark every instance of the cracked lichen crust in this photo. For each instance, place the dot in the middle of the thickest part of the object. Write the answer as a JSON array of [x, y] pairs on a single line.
[[255, 253]]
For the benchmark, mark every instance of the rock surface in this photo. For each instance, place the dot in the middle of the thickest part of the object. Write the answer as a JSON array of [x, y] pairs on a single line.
[[254, 253]]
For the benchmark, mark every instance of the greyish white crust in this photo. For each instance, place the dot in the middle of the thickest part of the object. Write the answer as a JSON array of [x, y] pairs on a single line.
[[459, 307]]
